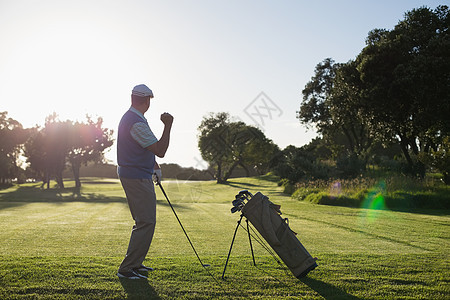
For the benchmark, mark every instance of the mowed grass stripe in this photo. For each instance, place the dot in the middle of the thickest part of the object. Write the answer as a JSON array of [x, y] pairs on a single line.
[[418, 232], [75, 228]]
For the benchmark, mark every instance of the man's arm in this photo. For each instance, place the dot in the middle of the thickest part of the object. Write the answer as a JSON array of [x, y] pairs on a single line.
[[160, 147]]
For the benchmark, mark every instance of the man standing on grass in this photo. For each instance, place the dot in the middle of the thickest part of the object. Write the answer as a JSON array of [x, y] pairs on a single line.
[[136, 150]]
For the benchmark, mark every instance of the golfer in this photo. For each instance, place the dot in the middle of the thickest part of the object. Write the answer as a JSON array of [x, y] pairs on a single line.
[[136, 150]]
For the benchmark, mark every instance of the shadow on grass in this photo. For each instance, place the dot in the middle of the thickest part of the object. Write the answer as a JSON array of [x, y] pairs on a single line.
[[366, 233], [98, 182], [422, 211], [269, 177], [138, 289], [241, 185], [327, 291], [73, 194], [265, 185], [34, 194], [253, 188], [4, 186]]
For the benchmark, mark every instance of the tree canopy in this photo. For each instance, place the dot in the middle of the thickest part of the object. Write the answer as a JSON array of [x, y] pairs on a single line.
[[225, 145], [12, 136], [49, 149]]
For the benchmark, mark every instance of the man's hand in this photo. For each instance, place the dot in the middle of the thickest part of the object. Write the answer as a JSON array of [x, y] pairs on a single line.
[[157, 176], [160, 147], [166, 118]]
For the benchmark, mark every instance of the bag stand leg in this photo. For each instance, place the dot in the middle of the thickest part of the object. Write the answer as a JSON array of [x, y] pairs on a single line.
[[250, 241], [232, 242], [231, 246]]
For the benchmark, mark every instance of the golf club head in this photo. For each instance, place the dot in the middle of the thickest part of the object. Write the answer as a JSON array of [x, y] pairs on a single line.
[[243, 196], [245, 193], [238, 202], [235, 209]]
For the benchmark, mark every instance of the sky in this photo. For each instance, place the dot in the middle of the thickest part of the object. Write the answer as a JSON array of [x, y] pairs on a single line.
[[251, 59]]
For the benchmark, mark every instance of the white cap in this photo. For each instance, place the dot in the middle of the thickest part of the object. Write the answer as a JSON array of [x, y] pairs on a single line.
[[142, 90]]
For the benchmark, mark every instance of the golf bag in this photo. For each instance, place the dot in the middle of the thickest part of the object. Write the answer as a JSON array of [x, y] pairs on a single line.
[[265, 217]]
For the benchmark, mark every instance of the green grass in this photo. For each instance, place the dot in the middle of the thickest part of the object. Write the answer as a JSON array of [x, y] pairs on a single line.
[[68, 245]]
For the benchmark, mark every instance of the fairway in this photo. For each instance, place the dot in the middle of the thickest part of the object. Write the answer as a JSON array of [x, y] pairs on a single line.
[[68, 245]]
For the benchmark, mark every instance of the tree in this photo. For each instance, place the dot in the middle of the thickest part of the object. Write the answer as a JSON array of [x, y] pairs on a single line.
[[405, 75], [332, 103], [49, 148], [295, 164], [346, 110], [397, 89], [35, 154], [87, 143], [225, 145], [439, 159], [314, 109], [259, 152], [12, 137]]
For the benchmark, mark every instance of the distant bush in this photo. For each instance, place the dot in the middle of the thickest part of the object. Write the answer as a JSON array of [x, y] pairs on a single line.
[[350, 166], [172, 171], [389, 164], [288, 187], [175, 171], [94, 170], [302, 193], [296, 164], [326, 199], [393, 192], [425, 199]]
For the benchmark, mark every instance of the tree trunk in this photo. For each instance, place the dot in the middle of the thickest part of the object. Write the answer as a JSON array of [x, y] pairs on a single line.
[[349, 138], [228, 173], [219, 173], [412, 142], [59, 180], [76, 165], [404, 146], [357, 144], [247, 171], [59, 169], [446, 178], [47, 178]]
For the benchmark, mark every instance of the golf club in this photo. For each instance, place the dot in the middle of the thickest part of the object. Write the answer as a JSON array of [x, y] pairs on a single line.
[[205, 266], [185, 233]]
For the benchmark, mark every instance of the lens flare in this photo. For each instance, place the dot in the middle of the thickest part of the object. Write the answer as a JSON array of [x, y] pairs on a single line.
[[374, 202], [335, 189]]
